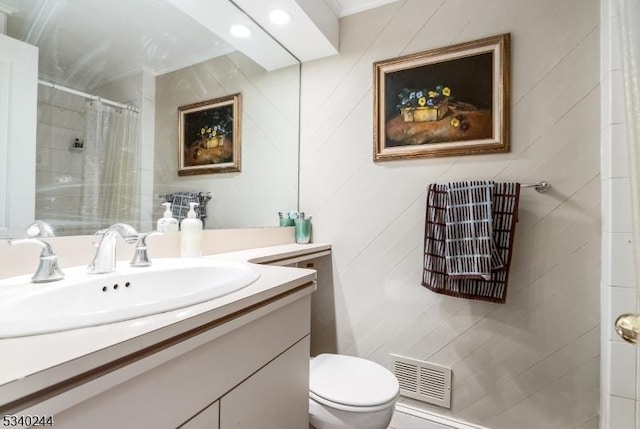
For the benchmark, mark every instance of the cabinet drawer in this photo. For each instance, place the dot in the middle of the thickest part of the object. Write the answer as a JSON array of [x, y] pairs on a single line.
[[276, 397]]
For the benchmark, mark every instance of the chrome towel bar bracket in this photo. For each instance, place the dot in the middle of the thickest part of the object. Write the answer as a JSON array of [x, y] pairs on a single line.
[[541, 186]]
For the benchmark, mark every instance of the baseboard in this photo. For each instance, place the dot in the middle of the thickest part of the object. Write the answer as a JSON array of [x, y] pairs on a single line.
[[408, 417]]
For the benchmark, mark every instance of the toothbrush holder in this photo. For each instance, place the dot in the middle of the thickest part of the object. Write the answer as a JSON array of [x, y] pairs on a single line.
[[285, 220], [303, 230]]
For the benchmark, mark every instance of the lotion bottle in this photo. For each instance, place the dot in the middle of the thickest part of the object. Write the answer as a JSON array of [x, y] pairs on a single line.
[[191, 238], [168, 222]]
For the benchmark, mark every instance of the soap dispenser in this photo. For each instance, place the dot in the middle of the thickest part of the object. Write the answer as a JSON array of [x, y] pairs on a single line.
[[191, 239], [167, 222]]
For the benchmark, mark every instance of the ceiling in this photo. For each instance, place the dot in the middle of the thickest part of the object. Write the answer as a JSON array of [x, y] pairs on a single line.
[[348, 7], [89, 43]]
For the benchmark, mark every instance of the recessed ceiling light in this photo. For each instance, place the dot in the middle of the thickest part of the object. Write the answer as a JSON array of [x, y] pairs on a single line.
[[239, 30], [279, 17]]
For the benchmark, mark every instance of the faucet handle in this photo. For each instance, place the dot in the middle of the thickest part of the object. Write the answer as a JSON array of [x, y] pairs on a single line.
[[48, 269], [40, 229], [141, 256]]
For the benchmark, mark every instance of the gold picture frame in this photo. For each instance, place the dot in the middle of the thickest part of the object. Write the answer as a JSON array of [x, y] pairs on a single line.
[[449, 101], [209, 136]]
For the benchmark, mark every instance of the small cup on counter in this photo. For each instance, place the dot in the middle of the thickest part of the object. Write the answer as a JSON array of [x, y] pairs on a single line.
[[303, 230]]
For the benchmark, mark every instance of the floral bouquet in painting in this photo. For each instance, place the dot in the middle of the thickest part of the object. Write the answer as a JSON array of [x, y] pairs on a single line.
[[424, 105], [212, 136]]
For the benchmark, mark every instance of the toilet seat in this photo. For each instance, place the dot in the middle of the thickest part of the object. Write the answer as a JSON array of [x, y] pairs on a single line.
[[351, 408], [351, 384]]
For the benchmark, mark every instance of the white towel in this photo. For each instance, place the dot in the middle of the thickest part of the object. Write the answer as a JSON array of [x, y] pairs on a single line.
[[470, 251]]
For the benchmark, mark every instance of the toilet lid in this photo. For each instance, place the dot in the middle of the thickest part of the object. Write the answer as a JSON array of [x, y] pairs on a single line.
[[350, 380]]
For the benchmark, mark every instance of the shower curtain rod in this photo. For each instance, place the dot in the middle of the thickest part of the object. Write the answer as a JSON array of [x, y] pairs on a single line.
[[87, 95]]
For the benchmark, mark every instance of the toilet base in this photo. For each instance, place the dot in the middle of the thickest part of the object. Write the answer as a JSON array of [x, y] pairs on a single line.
[[324, 417]]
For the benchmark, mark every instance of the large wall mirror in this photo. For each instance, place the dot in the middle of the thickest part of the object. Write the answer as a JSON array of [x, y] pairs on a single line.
[[112, 76]]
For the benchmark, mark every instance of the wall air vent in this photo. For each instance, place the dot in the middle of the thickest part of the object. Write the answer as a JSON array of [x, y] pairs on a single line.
[[422, 380]]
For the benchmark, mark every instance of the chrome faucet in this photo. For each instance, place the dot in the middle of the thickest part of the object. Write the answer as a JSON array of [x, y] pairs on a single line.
[[48, 269], [141, 256], [104, 260]]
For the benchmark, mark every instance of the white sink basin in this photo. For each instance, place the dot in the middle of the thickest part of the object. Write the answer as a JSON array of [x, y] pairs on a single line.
[[83, 299]]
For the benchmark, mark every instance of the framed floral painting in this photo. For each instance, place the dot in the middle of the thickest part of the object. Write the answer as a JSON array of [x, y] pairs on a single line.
[[209, 136], [444, 102]]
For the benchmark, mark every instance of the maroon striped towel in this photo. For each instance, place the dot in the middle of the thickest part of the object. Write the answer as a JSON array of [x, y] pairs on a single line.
[[436, 277]]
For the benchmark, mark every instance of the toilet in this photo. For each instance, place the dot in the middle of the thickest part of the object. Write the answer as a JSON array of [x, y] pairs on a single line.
[[347, 392]]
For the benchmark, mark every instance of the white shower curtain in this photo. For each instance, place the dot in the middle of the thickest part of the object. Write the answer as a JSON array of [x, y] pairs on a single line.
[[111, 165], [629, 13]]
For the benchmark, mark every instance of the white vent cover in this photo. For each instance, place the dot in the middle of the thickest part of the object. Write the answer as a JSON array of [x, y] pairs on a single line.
[[422, 380]]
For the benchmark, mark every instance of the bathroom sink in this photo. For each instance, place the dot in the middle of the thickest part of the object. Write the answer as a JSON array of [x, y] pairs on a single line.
[[82, 299]]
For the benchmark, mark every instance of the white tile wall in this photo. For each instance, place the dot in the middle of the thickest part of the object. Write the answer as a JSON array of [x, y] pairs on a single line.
[[623, 373], [619, 153], [620, 379], [618, 194], [622, 272], [58, 171], [61, 119], [531, 363], [623, 413]]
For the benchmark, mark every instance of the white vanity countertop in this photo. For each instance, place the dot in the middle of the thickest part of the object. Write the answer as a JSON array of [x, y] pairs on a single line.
[[27, 363]]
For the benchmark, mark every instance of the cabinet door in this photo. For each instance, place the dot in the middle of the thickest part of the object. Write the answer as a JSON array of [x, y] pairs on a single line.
[[276, 397], [206, 419]]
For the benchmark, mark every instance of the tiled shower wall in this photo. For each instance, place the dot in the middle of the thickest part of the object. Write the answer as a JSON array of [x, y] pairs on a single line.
[[533, 362], [620, 361], [61, 119], [59, 169]]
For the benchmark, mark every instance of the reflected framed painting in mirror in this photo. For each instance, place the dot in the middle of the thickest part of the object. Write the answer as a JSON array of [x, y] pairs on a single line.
[[209, 136]]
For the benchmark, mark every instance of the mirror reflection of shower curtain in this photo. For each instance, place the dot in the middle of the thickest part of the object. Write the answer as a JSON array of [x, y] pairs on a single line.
[[111, 165]]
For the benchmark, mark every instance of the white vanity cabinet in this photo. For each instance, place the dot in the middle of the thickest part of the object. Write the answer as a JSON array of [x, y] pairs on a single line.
[[246, 371], [238, 361], [277, 390]]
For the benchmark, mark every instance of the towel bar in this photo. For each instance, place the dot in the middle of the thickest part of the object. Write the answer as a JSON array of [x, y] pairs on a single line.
[[541, 186], [206, 194]]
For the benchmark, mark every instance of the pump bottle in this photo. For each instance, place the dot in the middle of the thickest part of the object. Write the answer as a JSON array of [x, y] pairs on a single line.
[[191, 238], [167, 222]]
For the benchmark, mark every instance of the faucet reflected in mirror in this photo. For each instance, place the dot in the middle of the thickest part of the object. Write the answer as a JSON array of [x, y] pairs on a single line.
[[40, 229]]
